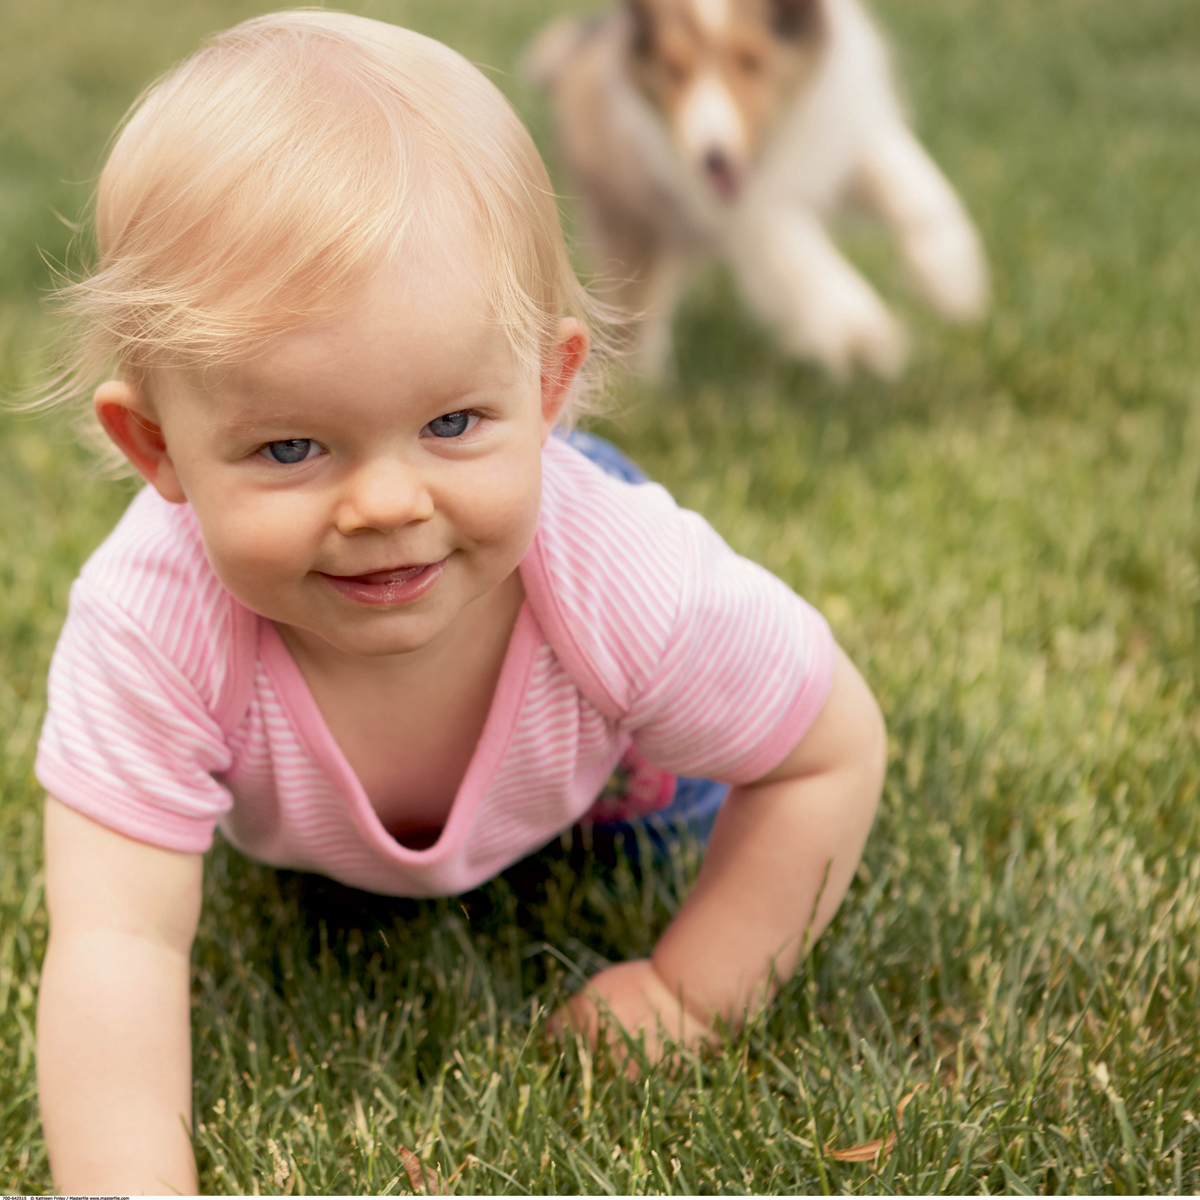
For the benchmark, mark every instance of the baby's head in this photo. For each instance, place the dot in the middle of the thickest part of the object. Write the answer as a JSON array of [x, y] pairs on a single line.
[[259, 184], [334, 282]]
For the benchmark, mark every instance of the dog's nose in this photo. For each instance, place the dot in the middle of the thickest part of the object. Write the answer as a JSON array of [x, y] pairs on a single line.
[[722, 173]]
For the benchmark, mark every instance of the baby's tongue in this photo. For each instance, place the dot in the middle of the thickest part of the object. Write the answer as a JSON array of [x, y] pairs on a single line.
[[395, 575]]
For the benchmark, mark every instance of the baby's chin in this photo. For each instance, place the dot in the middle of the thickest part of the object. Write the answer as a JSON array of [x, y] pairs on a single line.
[[373, 635]]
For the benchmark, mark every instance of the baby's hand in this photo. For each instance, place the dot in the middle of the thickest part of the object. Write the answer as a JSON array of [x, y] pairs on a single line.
[[632, 996], [781, 856]]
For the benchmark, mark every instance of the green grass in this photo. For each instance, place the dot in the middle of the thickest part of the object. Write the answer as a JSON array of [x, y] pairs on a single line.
[[1006, 541]]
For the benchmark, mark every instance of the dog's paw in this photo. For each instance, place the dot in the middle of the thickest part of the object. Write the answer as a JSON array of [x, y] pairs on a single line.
[[853, 329], [882, 348], [950, 268], [651, 353]]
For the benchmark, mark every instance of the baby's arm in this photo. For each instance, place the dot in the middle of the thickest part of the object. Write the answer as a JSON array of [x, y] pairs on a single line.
[[782, 854], [114, 1032]]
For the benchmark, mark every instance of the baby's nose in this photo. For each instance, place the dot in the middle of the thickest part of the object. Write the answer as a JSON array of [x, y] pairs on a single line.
[[383, 494]]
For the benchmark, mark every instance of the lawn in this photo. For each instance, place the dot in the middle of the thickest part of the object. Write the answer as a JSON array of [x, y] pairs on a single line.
[[1007, 543]]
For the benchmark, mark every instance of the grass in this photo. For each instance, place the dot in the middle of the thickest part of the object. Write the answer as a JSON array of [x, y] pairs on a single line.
[[1007, 543]]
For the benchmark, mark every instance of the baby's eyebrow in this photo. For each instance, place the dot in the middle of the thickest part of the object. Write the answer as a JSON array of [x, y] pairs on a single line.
[[259, 425], [241, 414]]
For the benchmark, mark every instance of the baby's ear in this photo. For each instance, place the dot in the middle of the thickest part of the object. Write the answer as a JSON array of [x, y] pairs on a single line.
[[122, 409], [560, 366]]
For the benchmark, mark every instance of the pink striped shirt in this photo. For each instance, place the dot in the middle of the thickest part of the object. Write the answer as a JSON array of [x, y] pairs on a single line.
[[174, 709]]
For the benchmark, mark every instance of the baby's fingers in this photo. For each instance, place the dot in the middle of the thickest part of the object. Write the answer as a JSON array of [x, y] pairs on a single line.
[[585, 1016], [577, 1016]]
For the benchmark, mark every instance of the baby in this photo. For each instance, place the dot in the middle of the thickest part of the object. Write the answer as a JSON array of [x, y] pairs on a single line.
[[369, 616]]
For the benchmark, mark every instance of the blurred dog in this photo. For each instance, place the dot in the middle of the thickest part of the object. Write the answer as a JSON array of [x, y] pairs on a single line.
[[734, 128]]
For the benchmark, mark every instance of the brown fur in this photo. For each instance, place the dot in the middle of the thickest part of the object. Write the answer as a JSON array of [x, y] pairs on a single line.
[[762, 68]]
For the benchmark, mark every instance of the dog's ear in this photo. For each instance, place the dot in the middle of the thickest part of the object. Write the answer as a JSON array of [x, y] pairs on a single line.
[[794, 18], [641, 22]]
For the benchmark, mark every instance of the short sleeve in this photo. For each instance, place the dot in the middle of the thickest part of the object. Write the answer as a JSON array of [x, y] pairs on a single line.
[[127, 740], [710, 663], [743, 675]]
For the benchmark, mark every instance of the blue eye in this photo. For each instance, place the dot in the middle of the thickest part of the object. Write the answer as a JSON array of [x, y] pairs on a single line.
[[293, 451], [451, 425]]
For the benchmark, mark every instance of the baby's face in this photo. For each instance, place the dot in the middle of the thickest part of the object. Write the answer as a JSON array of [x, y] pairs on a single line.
[[366, 479]]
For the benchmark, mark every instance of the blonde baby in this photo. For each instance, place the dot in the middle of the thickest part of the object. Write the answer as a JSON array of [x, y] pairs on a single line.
[[369, 617]]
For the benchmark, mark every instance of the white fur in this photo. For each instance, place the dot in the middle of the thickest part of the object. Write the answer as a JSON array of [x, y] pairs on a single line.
[[709, 120], [844, 131], [713, 15]]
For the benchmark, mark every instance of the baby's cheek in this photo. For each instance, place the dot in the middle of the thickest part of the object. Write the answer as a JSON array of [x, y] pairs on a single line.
[[257, 549], [505, 506]]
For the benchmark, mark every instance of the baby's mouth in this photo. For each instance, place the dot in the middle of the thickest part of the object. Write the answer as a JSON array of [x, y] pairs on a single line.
[[396, 585], [392, 575]]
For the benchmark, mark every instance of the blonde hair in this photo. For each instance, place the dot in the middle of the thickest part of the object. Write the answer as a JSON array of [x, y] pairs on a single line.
[[255, 185]]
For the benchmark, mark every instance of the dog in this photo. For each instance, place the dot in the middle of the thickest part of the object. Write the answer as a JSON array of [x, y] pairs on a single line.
[[734, 129]]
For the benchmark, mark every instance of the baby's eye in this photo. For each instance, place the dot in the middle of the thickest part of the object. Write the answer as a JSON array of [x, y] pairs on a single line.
[[451, 425], [292, 451]]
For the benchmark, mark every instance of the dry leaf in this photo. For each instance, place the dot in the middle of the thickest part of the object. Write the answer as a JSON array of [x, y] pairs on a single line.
[[877, 1147], [424, 1179], [864, 1152]]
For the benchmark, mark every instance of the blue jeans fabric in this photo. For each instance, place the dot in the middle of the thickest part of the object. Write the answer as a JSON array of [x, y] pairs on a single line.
[[696, 801]]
